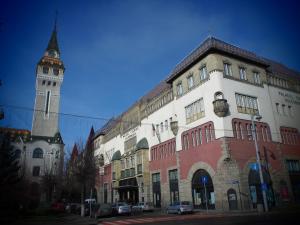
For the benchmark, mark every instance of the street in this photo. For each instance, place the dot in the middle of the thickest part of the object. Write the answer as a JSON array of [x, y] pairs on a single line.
[[274, 219], [215, 218]]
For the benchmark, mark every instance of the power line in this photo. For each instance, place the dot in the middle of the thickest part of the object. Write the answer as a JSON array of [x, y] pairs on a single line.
[[118, 120]]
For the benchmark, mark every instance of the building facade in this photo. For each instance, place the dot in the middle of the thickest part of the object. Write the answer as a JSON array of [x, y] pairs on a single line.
[[191, 137], [41, 150]]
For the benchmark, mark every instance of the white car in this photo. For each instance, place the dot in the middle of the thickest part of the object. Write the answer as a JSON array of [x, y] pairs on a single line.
[[180, 207], [143, 206], [121, 208]]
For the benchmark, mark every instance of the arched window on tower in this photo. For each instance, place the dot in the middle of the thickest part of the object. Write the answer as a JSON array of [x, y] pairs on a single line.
[[38, 153]]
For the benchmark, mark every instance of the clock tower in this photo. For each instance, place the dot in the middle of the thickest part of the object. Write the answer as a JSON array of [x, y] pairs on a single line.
[[49, 77]]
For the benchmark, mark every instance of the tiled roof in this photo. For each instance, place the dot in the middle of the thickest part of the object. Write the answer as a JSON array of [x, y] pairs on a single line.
[[209, 45], [107, 126], [161, 87], [281, 70], [53, 44]]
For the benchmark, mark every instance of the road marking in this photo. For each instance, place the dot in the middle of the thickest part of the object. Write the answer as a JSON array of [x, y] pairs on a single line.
[[123, 222], [108, 223]]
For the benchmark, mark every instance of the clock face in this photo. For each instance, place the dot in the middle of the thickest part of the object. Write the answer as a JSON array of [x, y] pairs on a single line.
[[52, 53]]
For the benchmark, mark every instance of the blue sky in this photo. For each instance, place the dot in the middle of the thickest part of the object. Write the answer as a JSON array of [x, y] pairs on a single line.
[[116, 51]]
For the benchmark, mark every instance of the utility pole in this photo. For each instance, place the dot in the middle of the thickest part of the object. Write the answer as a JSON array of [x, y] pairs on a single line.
[[263, 186]]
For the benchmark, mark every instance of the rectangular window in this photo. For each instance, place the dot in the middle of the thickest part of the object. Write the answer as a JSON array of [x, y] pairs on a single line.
[[193, 139], [55, 71], [227, 69], [277, 108], [194, 111], [237, 130], [179, 89], [293, 165], [45, 70], [243, 73], [36, 171], [246, 104], [200, 136], [173, 182], [47, 105], [283, 109], [256, 77], [156, 177], [207, 135], [190, 81], [290, 110], [130, 144], [196, 137], [166, 125], [161, 127], [203, 73], [249, 131], [122, 164], [242, 131]]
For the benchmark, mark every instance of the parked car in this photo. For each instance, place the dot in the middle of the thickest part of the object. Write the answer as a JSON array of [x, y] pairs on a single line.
[[101, 210], [73, 208], [143, 206], [88, 206], [180, 207], [121, 208]]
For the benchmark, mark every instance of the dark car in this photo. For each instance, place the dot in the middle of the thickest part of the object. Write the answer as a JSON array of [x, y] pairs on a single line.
[[102, 210]]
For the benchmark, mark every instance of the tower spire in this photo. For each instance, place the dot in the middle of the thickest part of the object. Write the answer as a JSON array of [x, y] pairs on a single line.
[[53, 44]]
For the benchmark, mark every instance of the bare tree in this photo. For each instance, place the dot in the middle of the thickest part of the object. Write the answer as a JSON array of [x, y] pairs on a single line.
[[85, 169]]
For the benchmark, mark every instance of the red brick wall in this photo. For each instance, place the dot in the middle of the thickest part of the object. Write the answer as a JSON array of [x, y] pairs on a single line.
[[162, 157], [208, 150]]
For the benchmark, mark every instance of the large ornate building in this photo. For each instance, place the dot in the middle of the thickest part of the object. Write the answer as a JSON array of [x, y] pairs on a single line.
[[41, 151], [192, 137]]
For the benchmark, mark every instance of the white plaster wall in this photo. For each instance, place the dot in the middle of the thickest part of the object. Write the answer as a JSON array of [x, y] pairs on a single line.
[[266, 97]]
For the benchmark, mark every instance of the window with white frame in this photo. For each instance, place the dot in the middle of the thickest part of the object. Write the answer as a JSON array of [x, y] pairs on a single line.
[[203, 73], [179, 89], [194, 111], [190, 81], [227, 69], [246, 104], [242, 73], [256, 77]]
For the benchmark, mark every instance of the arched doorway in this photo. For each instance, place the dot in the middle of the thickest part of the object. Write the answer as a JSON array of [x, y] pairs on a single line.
[[203, 190], [256, 190], [232, 199]]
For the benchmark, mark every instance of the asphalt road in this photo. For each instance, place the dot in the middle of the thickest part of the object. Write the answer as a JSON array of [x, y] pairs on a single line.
[[272, 219], [290, 218]]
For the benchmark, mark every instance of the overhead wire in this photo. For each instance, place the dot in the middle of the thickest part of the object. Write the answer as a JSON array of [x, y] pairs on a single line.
[[106, 119]]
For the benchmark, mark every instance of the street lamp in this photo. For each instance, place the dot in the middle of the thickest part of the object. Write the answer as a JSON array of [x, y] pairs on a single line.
[[263, 188]]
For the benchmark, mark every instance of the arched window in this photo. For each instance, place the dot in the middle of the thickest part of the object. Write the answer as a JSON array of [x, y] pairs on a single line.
[[18, 154], [37, 153]]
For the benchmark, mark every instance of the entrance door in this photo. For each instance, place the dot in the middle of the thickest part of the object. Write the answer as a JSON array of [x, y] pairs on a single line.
[[203, 190], [232, 199]]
